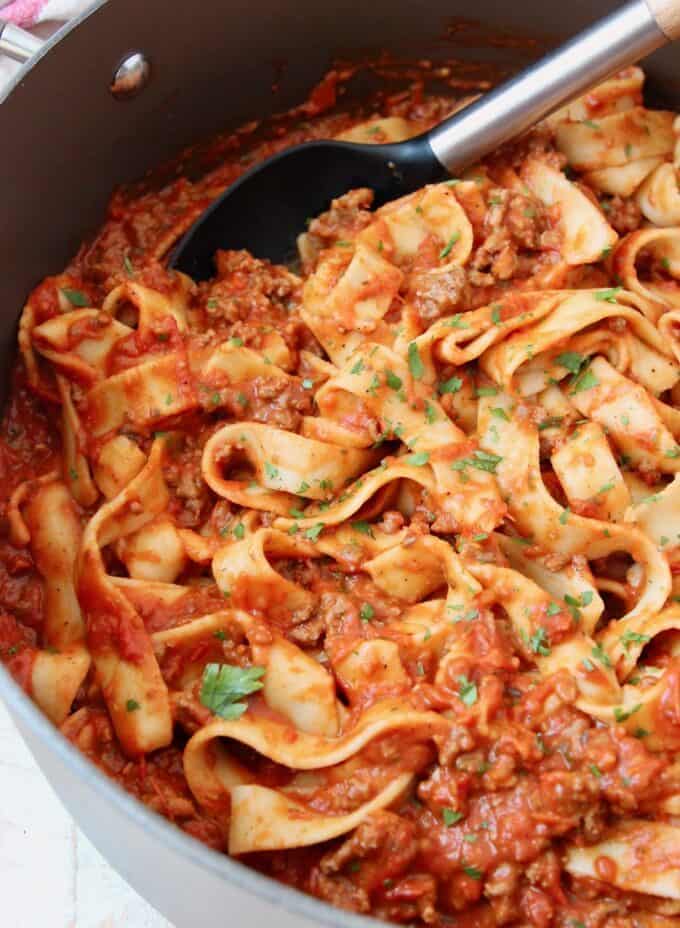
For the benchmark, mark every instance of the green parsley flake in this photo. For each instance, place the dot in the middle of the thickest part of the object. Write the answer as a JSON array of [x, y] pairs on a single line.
[[481, 460], [224, 685], [538, 642], [393, 382], [451, 816], [586, 380], [415, 364], [446, 250], [132, 705], [239, 530], [622, 715], [601, 655], [571, 360], [363, 527], [314, 532], [366, 612], [75, 297], [271, 472], [417, 460], [608, 296], [452, 385], [629, 638], [499, 413], [467, 691]]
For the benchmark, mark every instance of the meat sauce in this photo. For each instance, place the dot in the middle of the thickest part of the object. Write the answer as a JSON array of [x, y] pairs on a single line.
[[553, 774]]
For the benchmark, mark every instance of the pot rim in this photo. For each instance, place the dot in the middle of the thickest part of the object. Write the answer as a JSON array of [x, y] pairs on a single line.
[[180, 843]]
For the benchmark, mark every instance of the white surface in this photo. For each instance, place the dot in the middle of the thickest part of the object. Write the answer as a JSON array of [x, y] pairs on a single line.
[[50, 874]]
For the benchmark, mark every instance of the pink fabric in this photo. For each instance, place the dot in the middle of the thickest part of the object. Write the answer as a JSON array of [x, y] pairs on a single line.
[[23, 12]]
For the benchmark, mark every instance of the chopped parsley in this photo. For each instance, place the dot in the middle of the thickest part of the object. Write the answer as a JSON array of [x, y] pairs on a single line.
[[271, 472], [467, 691], [451, 816], [366, 612], [446, 250], [629, 638], [473, 873], [393, 382], [499, 413], [622, 715], [539, 642], [239, 530], [601, 655], [571, 360], [417, 460], [225, 685], [362, 526], [358, 367], [586, 380], [452, 385], [608, 296], [415, 364], [75, 297], [132, 705], [481, 460], [314, 532]]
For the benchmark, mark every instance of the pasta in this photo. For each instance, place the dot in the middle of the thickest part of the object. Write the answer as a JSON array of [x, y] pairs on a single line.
[[367, 572]]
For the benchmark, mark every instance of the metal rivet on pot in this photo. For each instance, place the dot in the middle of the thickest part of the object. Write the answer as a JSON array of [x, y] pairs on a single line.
[[131, 76]]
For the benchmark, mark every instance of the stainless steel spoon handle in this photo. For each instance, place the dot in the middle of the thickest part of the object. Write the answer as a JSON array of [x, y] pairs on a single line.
[[16, 43], [615, 42]]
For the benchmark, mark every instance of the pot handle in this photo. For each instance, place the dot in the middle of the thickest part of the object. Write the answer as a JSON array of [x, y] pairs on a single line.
[[16, 43]]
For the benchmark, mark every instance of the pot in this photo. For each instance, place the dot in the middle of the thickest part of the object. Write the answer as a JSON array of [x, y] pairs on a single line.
[[65, 142]]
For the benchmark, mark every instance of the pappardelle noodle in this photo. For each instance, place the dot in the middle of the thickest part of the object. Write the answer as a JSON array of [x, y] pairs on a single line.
[[367, 573]]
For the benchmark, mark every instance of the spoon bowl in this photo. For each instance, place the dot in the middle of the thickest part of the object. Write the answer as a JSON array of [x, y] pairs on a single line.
[[268, 207]]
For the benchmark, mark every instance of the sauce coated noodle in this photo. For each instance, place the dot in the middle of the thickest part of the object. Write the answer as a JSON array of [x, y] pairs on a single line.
[[369, 573]]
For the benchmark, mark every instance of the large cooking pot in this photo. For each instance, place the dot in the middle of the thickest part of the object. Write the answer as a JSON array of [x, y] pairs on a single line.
[[65, 142]]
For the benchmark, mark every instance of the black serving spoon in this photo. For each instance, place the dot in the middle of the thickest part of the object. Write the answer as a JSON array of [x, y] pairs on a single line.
[[266, 209]]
